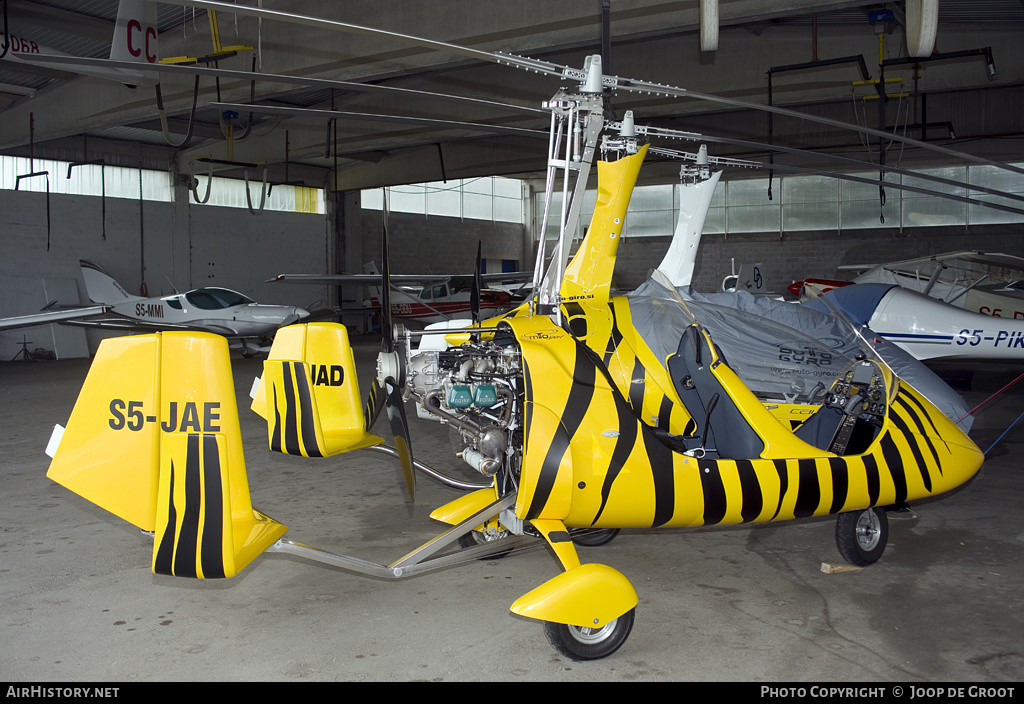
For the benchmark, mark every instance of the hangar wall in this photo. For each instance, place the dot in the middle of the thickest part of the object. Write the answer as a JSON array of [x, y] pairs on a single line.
[[187, 244]]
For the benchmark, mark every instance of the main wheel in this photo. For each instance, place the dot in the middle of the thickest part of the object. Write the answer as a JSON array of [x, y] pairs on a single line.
[[861, 536], [593, 537], [582, 643]]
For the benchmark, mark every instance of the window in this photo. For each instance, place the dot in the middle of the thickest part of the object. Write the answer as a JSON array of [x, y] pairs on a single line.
[[815, 203], [495, 199], [124, 182]]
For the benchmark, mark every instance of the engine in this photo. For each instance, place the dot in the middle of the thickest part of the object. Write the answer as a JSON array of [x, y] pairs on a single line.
[[477, 389]]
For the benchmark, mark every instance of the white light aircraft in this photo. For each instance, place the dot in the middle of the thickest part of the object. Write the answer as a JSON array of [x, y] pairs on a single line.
[[217, 310], [443, 297]]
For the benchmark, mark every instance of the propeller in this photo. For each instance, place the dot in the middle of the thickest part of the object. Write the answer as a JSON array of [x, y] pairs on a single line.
[[478, 283], [386, 390]]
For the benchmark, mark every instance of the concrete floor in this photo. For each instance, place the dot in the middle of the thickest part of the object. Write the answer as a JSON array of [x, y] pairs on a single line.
[[79, 603]]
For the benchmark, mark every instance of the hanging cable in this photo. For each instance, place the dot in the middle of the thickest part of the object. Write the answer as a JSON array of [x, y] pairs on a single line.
[[263, 194], [163, 115], [194, 183]]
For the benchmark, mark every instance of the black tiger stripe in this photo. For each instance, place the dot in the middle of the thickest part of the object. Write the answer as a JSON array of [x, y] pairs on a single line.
[[615, 338], [188, 537], [308, 427], [163, 561], [909, 398], [548, 472], [665, 414], [275, 435], [715, 500], [873, 477], [580, 395], [211, 550], [636, 390], [808, 489], [660, 458], [840, 483], [291, 432], [894, 463], [623, 447], [577, 320], [911, 439], [902, 400], [753, 499], [782, 469]]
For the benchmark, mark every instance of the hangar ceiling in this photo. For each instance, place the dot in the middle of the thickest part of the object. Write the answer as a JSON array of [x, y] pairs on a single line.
[[952, 100]]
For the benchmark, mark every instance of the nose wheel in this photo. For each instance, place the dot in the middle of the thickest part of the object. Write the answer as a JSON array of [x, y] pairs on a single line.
[[861, 536], [585, 643]]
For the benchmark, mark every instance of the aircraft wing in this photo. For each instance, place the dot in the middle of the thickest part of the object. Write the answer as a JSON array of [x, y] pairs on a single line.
[[363, 279], [50, 316], [396, 279], [993, 260], [508, 276], [123, 323]]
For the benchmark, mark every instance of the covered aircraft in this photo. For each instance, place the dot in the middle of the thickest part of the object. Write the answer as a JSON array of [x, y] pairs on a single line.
[[569, 407], [211, 309]]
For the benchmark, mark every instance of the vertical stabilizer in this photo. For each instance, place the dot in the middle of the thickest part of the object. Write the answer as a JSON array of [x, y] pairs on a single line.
[[694, 201], [135, 34], [154, 439], [309, 393], [101, 286]]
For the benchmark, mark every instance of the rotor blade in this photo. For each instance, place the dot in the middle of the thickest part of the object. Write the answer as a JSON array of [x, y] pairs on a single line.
[[327, 83], [400, 430], [612, 83], [408, 120]]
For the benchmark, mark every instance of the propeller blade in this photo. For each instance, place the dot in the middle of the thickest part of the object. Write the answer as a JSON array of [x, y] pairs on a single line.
[[374, 402], [385, 294], [474, 298], [400, 430]]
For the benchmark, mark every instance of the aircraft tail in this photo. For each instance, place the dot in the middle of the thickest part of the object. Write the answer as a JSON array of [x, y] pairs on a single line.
[[694, 201], [309, 393], [101, 286], [154, 439], [135, 33]]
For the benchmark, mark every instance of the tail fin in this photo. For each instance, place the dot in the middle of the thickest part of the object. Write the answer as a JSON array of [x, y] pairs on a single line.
[[154, 439], [694, 201], [135, 33], [101, 286], [309, 393]]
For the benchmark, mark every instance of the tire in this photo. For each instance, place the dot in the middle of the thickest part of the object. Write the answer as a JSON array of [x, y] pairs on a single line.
[[475, 537], [861, 536], [593, 537], [581, 644]]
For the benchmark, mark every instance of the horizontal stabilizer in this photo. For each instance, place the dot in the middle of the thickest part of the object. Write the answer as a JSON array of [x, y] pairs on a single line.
[[154, 439], [309, 394]]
